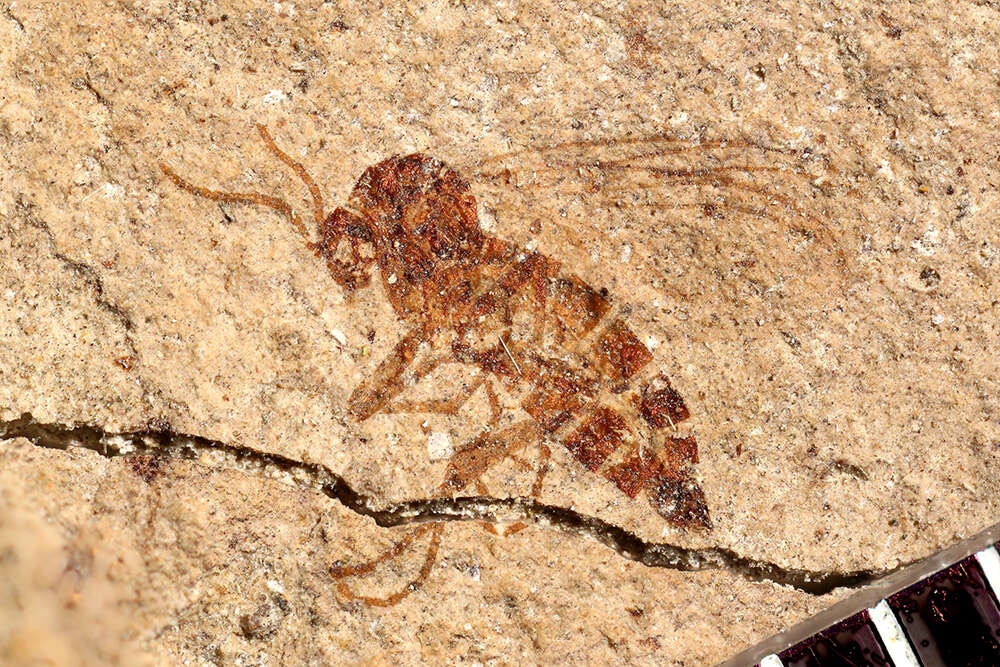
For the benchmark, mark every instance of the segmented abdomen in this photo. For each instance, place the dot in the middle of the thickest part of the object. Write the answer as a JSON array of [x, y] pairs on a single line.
[[572, 404]]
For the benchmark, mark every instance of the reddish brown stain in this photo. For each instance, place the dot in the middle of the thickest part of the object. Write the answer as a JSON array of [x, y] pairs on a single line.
[[650, 643], [661, 405], [633, 475], [597, 438], [577, 306], [680, 499], [146, 467], [620, 352], [679, 453]]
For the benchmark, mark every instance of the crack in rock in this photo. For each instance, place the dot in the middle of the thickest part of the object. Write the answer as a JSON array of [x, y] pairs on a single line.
[[9, 13], [89, 276], [83, 270], [319, 478]]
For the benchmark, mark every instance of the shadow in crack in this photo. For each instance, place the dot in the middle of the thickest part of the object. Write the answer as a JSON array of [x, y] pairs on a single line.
[[168, 444]]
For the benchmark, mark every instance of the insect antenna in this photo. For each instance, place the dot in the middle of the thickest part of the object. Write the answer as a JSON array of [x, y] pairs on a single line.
[[299, 170], [276, 203], [260, 199]]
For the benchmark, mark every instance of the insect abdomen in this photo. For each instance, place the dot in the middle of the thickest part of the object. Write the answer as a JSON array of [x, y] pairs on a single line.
[[564, 397], [666, 472]]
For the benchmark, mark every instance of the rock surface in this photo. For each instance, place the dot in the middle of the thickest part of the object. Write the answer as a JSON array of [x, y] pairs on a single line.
[[794, 208]]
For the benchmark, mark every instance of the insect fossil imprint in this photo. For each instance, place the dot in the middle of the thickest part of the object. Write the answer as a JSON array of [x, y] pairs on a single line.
[[542, 335]]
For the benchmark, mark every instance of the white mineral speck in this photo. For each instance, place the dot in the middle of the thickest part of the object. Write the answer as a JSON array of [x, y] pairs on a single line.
[[928, 243], [113, 191], [275, 96], [439, 446], [487, 218]]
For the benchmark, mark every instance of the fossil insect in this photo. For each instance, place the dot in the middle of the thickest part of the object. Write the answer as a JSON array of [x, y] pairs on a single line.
[[533, 331]]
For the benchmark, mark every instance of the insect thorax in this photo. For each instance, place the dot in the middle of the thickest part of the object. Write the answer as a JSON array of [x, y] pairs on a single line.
[[423, 226]]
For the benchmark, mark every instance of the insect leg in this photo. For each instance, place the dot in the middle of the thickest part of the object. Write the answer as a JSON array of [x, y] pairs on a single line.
[[472, 460], [544, 455], [482, 490], [339, 572], [495, 409], [374, 394], [445, 406]]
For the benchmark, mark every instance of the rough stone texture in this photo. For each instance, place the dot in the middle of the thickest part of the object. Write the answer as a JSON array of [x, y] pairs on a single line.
[[830, 316]]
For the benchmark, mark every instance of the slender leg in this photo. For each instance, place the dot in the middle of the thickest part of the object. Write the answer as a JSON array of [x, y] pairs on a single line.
[[495, 409], [473, 459], [544, 455], [339, 572], [386, 382], [520, 436], [445, 406], [479, 455], [483, 491]]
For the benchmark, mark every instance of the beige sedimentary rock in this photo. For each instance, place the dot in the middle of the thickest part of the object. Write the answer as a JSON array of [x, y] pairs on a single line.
[[797, 204]]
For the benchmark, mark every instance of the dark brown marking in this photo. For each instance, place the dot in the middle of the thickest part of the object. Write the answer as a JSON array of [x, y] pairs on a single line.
[[633, 474], [551, 409], [490, 447], [652, 643], [558, 394], [679, 453], [577, 306], [620, 352], [680, 501], [595, 440], [661, 405], [147, 467], [891, 29]]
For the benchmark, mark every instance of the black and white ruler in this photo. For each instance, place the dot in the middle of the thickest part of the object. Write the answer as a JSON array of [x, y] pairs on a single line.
[[942, 611]]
